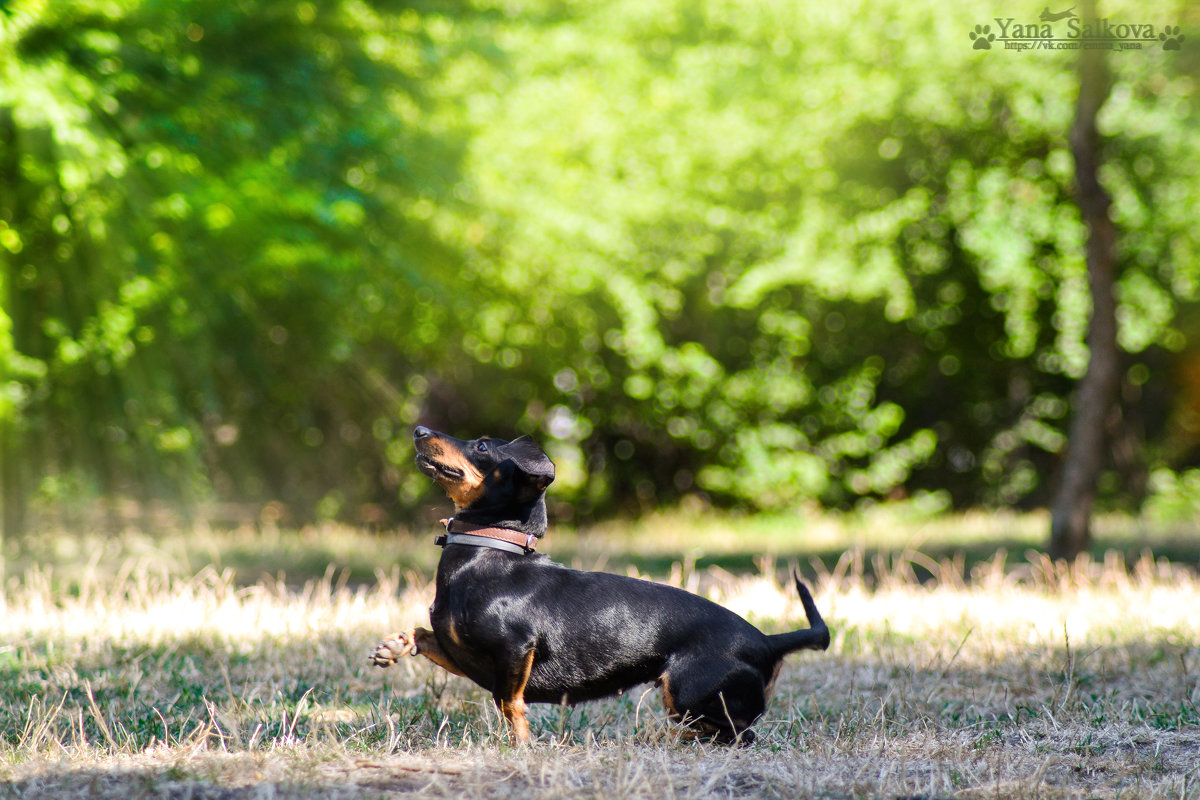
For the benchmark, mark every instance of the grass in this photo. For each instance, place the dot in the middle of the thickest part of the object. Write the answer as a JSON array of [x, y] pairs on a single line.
[[133, 668]]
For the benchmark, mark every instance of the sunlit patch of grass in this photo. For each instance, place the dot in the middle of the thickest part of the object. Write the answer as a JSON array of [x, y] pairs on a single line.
[[249, 555]]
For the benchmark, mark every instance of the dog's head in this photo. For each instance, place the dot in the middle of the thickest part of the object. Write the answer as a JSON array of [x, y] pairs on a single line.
[[484, 473]]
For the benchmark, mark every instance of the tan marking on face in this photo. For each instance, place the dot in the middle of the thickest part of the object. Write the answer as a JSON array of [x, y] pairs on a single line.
[[462, 491]]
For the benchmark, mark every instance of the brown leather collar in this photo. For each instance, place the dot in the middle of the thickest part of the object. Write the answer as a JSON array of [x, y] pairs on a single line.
[[527, 542]]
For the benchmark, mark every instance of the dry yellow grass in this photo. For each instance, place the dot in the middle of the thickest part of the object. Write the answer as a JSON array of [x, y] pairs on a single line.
[[1019, 680]]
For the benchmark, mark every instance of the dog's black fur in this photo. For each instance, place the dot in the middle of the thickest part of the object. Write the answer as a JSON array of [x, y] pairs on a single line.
[[530, 630]]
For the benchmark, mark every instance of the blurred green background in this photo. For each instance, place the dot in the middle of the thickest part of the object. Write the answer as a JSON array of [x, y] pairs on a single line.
[[746, 253]]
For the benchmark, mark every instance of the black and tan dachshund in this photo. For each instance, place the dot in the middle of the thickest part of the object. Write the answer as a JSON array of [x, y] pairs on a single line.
[[530, 630]]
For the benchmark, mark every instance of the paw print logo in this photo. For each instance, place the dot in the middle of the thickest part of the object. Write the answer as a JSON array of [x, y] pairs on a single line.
[[983, 37], [1171, 37]]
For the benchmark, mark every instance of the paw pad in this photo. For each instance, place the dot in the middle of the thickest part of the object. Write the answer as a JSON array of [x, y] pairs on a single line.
[[392, 649]]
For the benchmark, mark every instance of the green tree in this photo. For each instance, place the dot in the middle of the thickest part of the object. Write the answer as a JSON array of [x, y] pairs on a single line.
[[770, 252], [1097, 393], [207, 211], [799, 260]]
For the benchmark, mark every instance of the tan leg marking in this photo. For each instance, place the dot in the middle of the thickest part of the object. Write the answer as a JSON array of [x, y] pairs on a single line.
[[673, 712], [429, 647], [664, 685], [416, 642], [513, 707], [452, 633], [699, 727]]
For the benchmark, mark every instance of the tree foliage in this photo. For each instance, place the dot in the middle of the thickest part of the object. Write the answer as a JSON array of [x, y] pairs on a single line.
[[773, 253]]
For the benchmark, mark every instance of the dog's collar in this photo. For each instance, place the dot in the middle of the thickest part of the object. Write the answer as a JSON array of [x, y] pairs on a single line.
[[459, 532]]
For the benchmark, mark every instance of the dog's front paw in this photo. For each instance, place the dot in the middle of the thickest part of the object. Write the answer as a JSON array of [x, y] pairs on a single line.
[[393, 648]]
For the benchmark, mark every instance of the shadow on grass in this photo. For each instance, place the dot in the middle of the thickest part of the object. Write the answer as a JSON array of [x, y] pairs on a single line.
[[297, 566], [230, 777], [932, 561], [417, 555], [354, 558]]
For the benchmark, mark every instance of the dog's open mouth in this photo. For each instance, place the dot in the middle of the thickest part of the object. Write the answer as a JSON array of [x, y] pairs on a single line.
[[434, 469]]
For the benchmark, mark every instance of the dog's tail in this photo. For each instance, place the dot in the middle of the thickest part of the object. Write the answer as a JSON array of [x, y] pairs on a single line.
[[814, 637]]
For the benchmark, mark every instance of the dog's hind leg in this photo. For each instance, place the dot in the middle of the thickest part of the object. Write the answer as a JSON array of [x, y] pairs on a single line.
[[721, 705]]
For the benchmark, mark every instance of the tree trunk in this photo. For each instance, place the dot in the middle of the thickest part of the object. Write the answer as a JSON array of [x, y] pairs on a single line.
[[12, 492], [1070, 516]]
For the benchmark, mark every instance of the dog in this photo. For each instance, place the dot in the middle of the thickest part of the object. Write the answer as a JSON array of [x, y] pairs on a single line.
[[529, 630]]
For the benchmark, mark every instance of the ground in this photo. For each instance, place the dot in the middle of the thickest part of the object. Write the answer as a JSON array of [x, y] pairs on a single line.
[[997, 679]]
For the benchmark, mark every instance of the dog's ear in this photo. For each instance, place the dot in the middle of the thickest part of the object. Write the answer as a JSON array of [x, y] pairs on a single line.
[[531, 461]]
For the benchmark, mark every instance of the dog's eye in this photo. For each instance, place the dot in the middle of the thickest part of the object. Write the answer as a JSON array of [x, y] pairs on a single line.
[[481, 447]]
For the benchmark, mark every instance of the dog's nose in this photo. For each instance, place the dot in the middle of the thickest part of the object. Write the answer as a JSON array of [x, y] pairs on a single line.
[[421, 432]]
